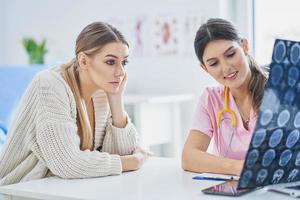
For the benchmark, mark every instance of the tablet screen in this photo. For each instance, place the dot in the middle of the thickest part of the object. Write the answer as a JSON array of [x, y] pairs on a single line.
[[229, 188]]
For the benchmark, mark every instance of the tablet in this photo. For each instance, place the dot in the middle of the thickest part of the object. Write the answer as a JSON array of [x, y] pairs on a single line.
[[228, 188]]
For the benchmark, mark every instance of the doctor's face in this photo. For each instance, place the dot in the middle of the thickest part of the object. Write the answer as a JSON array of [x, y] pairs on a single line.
[[227, 63]]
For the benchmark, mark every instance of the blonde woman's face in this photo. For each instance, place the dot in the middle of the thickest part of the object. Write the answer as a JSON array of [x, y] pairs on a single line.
[[107, 68], [226, 62]]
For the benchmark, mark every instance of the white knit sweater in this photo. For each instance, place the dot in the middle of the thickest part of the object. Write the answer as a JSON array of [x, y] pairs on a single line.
[[43, 138]]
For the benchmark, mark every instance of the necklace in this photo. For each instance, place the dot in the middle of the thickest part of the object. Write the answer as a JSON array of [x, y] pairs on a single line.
[[244, 117], [246, 124], [245, 120]]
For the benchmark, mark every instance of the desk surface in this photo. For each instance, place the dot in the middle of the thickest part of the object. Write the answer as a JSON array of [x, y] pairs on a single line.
[[159, 178]]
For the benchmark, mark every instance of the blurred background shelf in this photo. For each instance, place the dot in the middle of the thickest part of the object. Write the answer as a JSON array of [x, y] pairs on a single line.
[[158, 121]]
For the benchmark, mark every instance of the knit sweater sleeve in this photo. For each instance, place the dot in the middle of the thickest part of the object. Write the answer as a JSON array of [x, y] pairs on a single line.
[[58, 139], [120, 141]]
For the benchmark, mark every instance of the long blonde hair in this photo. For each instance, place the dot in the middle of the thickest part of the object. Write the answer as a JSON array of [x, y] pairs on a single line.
[[90, 40]]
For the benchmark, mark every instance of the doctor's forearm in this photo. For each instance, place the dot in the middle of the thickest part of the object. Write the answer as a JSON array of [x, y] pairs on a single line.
[[202, 162]]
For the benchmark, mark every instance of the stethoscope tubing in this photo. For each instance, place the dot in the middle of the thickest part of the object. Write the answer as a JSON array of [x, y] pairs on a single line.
[[226, 109]]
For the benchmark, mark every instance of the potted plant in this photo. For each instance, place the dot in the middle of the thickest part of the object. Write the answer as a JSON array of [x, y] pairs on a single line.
[[35, 51]]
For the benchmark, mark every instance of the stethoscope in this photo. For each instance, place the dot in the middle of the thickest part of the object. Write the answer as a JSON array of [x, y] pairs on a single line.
[[226, 109]]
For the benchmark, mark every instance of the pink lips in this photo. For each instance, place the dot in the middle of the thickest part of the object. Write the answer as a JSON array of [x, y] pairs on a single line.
[[116, 84], [231, 75]]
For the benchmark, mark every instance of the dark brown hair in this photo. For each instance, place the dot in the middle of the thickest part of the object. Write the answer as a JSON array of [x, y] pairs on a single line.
[[220, 29]]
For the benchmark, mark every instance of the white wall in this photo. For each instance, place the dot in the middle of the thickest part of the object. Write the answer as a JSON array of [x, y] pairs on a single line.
[[2, 29], [60, 21], [275, 19], [240, 13]]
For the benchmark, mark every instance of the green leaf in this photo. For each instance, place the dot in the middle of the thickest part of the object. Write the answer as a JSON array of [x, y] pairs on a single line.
[[35, 51]]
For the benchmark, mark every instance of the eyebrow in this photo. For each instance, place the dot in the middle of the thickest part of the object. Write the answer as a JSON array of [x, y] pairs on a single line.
[[231, 47], [110, 55], [228, 49]]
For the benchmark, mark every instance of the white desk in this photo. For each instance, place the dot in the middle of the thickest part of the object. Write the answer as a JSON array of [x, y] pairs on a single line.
[[159, 178]]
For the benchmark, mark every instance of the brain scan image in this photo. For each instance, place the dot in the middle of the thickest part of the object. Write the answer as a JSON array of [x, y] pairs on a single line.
[[252, 158], [266, 117], [289, 97], [261, 176], [275, 138], [259, 137], [278, 174], [279, 52], [278, 74], [297, 161], [268, 157], [293, 174], [285, 157], [297, 120], [273, 156], [271, 100], [293, 76], [295, 53], [283, 118], [246, 177], [292, 138]]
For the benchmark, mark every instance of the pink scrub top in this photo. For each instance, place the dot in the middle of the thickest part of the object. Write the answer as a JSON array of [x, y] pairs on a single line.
[[205, 121]]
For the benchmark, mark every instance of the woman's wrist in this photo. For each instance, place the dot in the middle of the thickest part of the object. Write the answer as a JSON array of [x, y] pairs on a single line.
[[119, 119], [119, 116], [129, 163]]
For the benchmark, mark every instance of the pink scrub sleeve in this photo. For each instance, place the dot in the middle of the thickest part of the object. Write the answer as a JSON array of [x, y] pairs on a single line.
[[202, 119]]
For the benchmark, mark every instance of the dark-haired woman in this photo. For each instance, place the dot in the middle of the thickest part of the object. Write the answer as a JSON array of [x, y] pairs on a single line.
[[225, 57]]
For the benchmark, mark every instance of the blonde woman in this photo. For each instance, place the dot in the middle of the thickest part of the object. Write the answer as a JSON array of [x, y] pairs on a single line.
[[71, 120]]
